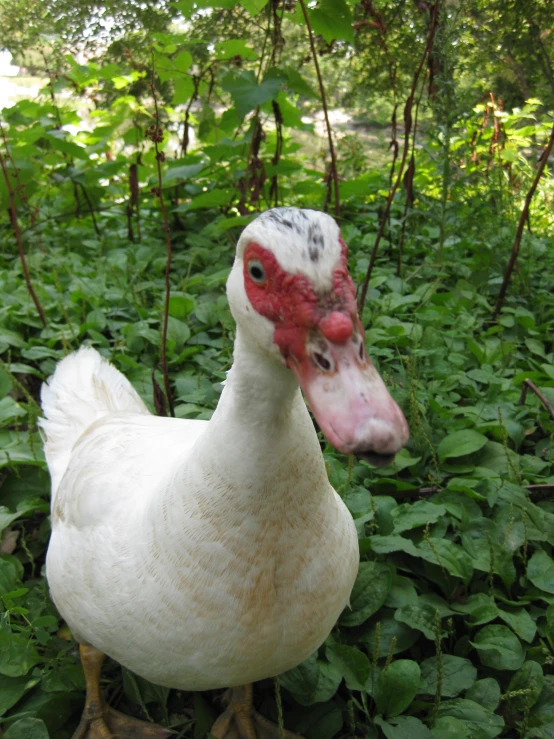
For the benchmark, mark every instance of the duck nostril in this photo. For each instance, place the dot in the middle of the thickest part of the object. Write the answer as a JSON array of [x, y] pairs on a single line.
[[322, 361], [362, 352]]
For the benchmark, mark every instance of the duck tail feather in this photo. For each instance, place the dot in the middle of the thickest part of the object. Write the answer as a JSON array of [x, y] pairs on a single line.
[[84, 388]]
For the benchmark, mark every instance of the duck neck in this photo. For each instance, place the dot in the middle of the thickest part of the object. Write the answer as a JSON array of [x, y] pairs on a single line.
[[258, 390], [261, 433]]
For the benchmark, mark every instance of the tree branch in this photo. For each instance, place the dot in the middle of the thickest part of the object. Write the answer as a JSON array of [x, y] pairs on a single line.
[[522, 220], [17, 232], [407, 131], [155, 134], [527, 385], [334, 171]]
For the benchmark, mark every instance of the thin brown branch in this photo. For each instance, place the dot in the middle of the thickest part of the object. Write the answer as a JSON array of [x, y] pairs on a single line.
[[434, 489], [522, 220], [334, 170], [17, 232], [407, 131], [91, 209], [155, 133], [528, 385]]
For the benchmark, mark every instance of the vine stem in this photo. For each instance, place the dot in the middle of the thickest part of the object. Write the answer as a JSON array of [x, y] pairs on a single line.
[[521, 225], [528, 385], [407, 131], [15, 225], [160, 157], [334, 170]]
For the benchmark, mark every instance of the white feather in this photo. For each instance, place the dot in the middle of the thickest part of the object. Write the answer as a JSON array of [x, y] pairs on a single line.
[[198, 554]]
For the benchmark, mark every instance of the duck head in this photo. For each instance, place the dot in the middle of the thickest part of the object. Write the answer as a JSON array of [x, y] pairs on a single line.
[[293, 299]]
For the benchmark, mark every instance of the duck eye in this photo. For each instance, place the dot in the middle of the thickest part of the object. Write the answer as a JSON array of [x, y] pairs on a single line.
[[256, 271]]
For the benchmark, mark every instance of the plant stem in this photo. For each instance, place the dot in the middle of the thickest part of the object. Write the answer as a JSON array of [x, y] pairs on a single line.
[[334, 170], [160, 157], [15, 225]]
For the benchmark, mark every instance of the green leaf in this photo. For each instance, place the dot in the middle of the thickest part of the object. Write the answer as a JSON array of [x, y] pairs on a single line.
[[332, 19], [411, 515], [388, 544], [182, 172], [352, 664], [480, 722], [445, 553], [17, 653], [211, 199], [403, 727], [486, 692], [540, 570], [529, 678], [247, 94], [27, 728], [397, 686], [180, 305], [499, 648], [457, 674], [420, 616], [460, 443], [253, 6], [368, 594], [521, 622], [448, 727], [12, 689], [312, 681]]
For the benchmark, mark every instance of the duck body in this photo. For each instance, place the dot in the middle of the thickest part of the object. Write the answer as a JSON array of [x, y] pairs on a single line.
[[202, 555], [213, 554]]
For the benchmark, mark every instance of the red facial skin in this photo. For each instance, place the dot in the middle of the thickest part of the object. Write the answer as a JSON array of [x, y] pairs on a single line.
[[291, 303], [322, 341]]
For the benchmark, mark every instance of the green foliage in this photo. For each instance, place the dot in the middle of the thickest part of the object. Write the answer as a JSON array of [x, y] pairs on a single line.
[[450, 629]]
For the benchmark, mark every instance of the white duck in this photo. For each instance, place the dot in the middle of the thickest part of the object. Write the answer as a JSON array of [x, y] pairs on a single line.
[[213, 554]]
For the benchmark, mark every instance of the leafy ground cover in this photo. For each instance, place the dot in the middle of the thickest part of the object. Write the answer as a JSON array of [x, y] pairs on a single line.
[[451, 626]]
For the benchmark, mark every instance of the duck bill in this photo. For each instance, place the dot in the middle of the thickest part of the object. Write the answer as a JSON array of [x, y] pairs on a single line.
[[351, 404]]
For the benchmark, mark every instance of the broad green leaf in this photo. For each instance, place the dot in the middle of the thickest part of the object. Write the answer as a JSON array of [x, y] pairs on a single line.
[[529, 678], [397, 543], [403, 727], [457, 674], [448, 555], [397, 686], [448, 727], [499, 648], [460, 443], [368, 594], [392, 635], [332, 19], [27, 728], [540, 570], [520, 622], [352, 664], [183, 172], [420, 616], [313, 681], [480, 722], [253, 6], [486, 692], [17, 653], [411, 515], [247, 94], [180, 305], [12, 689]]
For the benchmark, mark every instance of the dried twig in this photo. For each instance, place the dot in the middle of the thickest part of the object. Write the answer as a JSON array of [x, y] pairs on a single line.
[[334, 170], [155, 134], [522, 220], [17, 232], [527, 384], [422, 492], [407, 131]]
